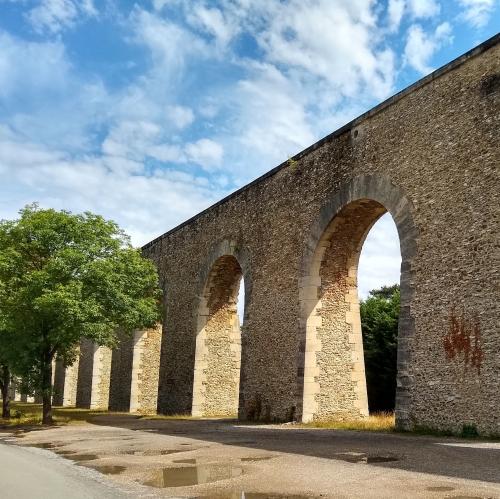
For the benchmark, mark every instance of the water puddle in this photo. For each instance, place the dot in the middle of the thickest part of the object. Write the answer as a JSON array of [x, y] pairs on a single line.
[[255, 459], [359, 457], [109, 469], [440, 489], [192, 475]]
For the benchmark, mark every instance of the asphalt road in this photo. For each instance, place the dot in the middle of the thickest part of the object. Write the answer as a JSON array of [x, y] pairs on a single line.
[[35, 473]]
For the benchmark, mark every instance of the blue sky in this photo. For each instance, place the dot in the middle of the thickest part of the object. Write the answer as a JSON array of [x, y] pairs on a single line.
[[148, 112]]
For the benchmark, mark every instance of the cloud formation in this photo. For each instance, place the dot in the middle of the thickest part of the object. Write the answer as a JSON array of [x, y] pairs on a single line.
[[183, 101]]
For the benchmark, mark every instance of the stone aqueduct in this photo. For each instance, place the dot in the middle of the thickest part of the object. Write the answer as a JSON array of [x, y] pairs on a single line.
[[429, 156]]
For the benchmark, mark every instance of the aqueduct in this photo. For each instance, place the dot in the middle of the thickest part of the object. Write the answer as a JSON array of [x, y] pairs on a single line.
[[430, 157]]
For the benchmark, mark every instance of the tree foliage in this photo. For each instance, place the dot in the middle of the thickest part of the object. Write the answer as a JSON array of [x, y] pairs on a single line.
[[64, 277], [379, 324]]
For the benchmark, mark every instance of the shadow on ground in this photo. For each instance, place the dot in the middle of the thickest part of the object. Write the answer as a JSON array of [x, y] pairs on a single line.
[[451, 457]]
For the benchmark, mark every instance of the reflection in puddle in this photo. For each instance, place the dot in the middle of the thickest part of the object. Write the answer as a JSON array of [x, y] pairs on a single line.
[[109, 469], [440, 489], [193, 475], [359, 457], [256, 458]]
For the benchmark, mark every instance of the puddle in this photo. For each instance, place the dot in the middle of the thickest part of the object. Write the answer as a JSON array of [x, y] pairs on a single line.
[[192, 475], [358, 457], [440, 489], [255, 459], [109, 469], [83, 457]]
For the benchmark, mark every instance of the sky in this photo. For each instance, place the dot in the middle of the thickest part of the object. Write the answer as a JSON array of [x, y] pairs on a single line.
[[148, 112]]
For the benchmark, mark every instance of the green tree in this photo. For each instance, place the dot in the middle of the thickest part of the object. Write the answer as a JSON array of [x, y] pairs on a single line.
[[379, 324], [64, 277]]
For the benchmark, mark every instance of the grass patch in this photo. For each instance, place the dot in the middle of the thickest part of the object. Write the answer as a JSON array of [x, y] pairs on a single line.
[[29, 414], [380, 421]]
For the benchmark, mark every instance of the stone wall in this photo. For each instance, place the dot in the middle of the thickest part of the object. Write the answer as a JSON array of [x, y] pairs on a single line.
[[430, 157]]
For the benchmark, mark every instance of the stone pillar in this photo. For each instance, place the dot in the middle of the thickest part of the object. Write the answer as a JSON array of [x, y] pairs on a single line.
[[101, 374], [145, 370], [71, 384], [84, 370], [121, 373], [12, 390], [58, 380]]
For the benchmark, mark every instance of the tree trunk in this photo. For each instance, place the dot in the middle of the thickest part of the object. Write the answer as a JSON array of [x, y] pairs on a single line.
[[5, 384], [46, 383]]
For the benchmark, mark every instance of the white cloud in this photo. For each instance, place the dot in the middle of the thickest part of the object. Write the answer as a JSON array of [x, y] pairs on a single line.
[[144, 204], [334, 41], [41, 80], [205, 152], [380, 259], [54, 16], [272, 118], [477, 12], [395, 10], [421, 46], [213, 21], [180, 116], [424, 8]]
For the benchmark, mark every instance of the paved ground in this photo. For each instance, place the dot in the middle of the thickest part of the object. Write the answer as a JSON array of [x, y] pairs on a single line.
[[216, 459], [29, 473]]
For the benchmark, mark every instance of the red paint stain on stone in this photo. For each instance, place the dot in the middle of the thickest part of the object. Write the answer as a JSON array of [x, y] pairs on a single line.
[[463, 340]]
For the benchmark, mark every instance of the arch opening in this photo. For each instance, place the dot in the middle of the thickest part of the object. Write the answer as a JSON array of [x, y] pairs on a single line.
[[379, 295], [334, 375], [218, 343]]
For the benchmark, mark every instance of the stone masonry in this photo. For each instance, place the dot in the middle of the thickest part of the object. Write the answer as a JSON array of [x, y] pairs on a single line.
[[430, 157]]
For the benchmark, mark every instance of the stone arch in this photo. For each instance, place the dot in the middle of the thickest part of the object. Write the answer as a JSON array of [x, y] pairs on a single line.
[[216, 379], [331, 379]]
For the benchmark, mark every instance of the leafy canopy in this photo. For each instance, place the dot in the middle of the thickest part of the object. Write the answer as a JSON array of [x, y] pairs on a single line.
[[379, 324], [64, 277]]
